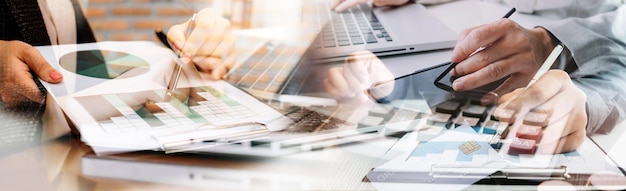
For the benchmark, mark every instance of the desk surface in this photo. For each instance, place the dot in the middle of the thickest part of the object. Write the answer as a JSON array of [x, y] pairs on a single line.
[[36, 164]]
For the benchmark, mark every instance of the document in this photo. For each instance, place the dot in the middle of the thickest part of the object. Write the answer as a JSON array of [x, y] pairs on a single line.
[[114, 94], [461, 157]]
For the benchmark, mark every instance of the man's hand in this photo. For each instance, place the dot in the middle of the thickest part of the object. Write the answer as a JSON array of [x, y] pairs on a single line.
[[16, 82], [359, 72], [553, 94], [510, 50], [211, 45], [342, 5]]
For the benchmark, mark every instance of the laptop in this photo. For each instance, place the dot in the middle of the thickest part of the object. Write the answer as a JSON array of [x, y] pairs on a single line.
[[382, 30]]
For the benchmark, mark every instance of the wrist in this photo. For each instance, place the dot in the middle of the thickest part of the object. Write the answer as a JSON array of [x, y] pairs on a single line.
[[546, 42]]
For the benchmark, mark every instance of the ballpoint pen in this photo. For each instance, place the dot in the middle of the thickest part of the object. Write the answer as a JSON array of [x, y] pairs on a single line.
[[547, 64], [171, 87]]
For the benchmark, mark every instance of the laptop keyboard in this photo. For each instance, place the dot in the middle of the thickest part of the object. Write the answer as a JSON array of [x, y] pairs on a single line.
[[355, 26], [267, 69], [306, 120]]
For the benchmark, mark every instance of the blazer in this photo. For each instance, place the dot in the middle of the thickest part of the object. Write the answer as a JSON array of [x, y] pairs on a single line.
[[22, 20]]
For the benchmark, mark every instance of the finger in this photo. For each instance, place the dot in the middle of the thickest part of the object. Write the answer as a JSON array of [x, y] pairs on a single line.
[[490, 73], [506, 98], [389, 2], [354, 84], [208, 63], [223, 68], [358, 65], [567, 143], [482, 59], [466, 32], [336, 78], [566, 116], [28, 89], [334, 3], [212, 39], [176, 34], [38, 64], [479, 37], [348, 4], [331, 89], [505, 89], [225, 48], [380, 3], [540, 92]]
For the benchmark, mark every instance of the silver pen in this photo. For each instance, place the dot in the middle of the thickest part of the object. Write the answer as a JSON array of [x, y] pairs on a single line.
[[171, 87], [547, 64]]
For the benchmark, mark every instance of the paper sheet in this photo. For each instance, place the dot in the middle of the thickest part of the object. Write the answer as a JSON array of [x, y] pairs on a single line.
[[113, 92], [415, 167]]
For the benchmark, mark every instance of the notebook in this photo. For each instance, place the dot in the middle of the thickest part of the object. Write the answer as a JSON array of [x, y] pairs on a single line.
[[382, 30]]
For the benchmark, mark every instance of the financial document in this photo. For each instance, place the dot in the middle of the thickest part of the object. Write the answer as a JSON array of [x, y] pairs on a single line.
[[461, 157], [114, 95]]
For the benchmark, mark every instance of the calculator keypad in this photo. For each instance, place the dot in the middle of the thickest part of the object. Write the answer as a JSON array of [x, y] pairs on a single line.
[[488, 120]]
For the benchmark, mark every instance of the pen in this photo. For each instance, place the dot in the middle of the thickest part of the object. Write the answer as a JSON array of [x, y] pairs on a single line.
[[171, 87], [547, 64]]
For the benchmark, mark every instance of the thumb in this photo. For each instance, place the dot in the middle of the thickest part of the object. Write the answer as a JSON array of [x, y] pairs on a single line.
[[176, 35], [39, 65]]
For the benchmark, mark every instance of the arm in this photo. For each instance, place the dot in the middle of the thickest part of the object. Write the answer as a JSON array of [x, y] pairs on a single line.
[[599, 71]]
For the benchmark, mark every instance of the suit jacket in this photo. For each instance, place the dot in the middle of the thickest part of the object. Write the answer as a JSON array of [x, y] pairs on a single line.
[[597, 50], [22, 20]]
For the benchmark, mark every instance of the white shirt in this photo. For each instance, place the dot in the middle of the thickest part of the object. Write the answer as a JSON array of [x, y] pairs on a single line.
[[60, 20]]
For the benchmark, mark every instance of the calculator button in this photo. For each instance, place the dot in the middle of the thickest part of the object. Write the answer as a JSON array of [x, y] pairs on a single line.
[[403, 115], [369, 121], [449, 107], [439, 118], [522, 146], [475, 111], [536, 119], [466, 121], [530, 132], [505, 115], [492, 126]]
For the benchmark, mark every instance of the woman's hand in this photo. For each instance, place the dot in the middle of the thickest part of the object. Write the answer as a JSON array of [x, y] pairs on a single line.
[[16, 81], [210, 45]]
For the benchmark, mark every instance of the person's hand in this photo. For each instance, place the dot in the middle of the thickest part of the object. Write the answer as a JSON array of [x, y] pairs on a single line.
[[360, 70], [510, 50], [210, 45], [16, 82], [556, 95], [342, 5]]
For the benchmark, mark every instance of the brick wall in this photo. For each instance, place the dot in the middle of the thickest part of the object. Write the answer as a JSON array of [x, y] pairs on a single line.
[[122, 20]]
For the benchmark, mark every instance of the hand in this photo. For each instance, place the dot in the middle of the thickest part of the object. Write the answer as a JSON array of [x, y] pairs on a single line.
[[359, 72], [510, 50], [211, 45], [555, 94], [16, 82], [342, 5]]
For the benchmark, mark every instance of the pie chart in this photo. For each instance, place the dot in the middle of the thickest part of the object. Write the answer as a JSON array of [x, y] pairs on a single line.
[[104, 64]]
